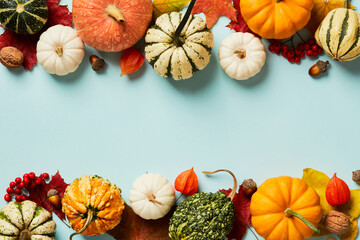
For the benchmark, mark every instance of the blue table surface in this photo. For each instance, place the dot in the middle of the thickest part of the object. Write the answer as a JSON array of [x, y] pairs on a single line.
[[276, 123]]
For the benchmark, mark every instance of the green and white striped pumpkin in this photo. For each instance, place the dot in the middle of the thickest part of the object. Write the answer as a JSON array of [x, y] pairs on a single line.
[[26, 221], [23, 16], [339, 34], [178, 58]]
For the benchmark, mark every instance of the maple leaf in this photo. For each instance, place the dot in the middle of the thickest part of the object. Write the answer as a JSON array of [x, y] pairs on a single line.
[[58, 14], [39, 194], [131, 60], [321, 9], [242, 217], [240, 25], [213, 9], [319, 181], [168, 6], [133, 227]]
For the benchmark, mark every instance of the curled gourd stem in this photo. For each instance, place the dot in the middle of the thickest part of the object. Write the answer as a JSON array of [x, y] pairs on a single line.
[[113, 11], [25, 235], [179, 29], [290, 213], [90, 216], [233, 192], [152, 199]]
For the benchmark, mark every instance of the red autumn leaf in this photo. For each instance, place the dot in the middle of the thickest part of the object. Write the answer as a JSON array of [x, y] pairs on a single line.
[[242, 217], [213, 9], [131, 60], [58, 14], [39, 194], [240, 25], [133, 227]]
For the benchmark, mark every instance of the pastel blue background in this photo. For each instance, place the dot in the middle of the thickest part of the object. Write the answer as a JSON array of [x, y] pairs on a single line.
[[276, 123]]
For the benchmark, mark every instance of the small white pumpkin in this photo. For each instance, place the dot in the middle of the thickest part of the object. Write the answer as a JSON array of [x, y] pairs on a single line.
[[60, 50], [152, 196], [242, 55], [25, 221]]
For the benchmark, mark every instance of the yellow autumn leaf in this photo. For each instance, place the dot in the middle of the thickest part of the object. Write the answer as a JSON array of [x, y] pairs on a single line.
[[353, 231], [321, 9], [352, 207], [167, 6]]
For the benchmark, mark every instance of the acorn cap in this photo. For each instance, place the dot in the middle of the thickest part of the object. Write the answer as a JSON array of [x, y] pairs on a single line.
[[52, 192]]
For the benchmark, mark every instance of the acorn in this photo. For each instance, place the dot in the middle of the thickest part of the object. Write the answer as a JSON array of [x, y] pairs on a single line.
[[356, 176], [318, 68], [54, 198], [249, 187], [97, 64]]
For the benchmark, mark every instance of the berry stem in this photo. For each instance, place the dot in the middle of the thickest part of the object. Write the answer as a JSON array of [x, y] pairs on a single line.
[[300, 37]]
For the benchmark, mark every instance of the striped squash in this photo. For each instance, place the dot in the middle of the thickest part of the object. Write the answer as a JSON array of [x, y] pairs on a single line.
[[23, 16], [26, 220], [339, 34], [178, 58]]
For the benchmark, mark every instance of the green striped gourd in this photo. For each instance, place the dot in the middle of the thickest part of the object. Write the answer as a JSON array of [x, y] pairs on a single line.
[[178, 56], [26, 221], [23, 16], [339, 34]]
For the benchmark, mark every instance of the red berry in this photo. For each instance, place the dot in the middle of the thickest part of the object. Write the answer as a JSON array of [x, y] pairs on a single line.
[[7, 197], [45, 175], [278, 51], [18, 198], [309, 53], [26, 175], [315, 47], [284, 54], [302, 55], [32, 185], [21, 185], [290, 53], [26, 180], [311, 41], [314, 54], [285, 47], [18, 180], [9, 190], [277, 46], [38, 181], [307, 46], [273, 41], [297, 60], [271, 48], [301, 46], [291, 59], [23, 197], [12, 184], [320, 51], [298, 51], [17, 191], [31, 175]]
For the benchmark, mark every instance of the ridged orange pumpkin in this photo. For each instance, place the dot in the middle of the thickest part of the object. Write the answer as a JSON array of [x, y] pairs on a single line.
[[285, 208], [92, 205], [276, 19]]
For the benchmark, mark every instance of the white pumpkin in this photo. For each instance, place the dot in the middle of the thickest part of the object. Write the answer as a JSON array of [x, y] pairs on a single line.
[[152, 196], [60, 50], [242, 55], [26, 220]]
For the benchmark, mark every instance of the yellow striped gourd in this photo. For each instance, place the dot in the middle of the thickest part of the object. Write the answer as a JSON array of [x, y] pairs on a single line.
[[339, 34]]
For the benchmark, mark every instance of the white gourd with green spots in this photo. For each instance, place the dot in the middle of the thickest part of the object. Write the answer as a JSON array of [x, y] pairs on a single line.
[[26, 221]]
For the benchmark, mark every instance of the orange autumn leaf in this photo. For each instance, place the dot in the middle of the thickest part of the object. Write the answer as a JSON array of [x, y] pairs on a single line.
[[131, 60], [213, 9], [321, 9], [168, 6]]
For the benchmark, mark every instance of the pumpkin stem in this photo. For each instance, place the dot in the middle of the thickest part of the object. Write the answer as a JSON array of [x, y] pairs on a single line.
[[59, 51], [25, 235], [113, 11], [177, 39], [240, 53], [346, 4], [290, 213], [152, 199], [233, 191], [277, 1], [90, 216], [20, 8]]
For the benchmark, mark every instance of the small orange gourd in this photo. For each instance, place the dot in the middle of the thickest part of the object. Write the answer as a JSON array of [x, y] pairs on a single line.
[[92, 205], [277, 19], [337, 191], [285, 208]]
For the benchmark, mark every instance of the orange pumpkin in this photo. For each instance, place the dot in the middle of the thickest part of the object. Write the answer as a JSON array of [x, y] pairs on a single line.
[[111, 25], [276, 19], [285, 208], [92, 205]]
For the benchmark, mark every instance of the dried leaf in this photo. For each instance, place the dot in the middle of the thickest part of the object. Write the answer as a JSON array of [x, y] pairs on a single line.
[[321, 9], [58, 14], [168, 6], [352, 207], [242, 217], [213, 9], [353, 231], [133, 227], [240, 25], [131, 60]]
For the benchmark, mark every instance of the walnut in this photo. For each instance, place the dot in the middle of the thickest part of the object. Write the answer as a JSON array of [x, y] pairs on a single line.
[[337, 222], [11, 57]]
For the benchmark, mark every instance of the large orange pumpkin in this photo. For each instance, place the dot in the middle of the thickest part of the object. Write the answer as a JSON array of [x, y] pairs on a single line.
[[276, 19], [285, 208], [111, 25]]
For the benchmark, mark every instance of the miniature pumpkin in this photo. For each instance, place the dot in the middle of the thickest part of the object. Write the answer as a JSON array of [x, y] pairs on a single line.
[[276, 202], [277, 19], [152, 196], [111, 25], [178, 46], [242, 55], [25, 16], [25, 221], [92, 205], [60, 50], [339, 34]]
